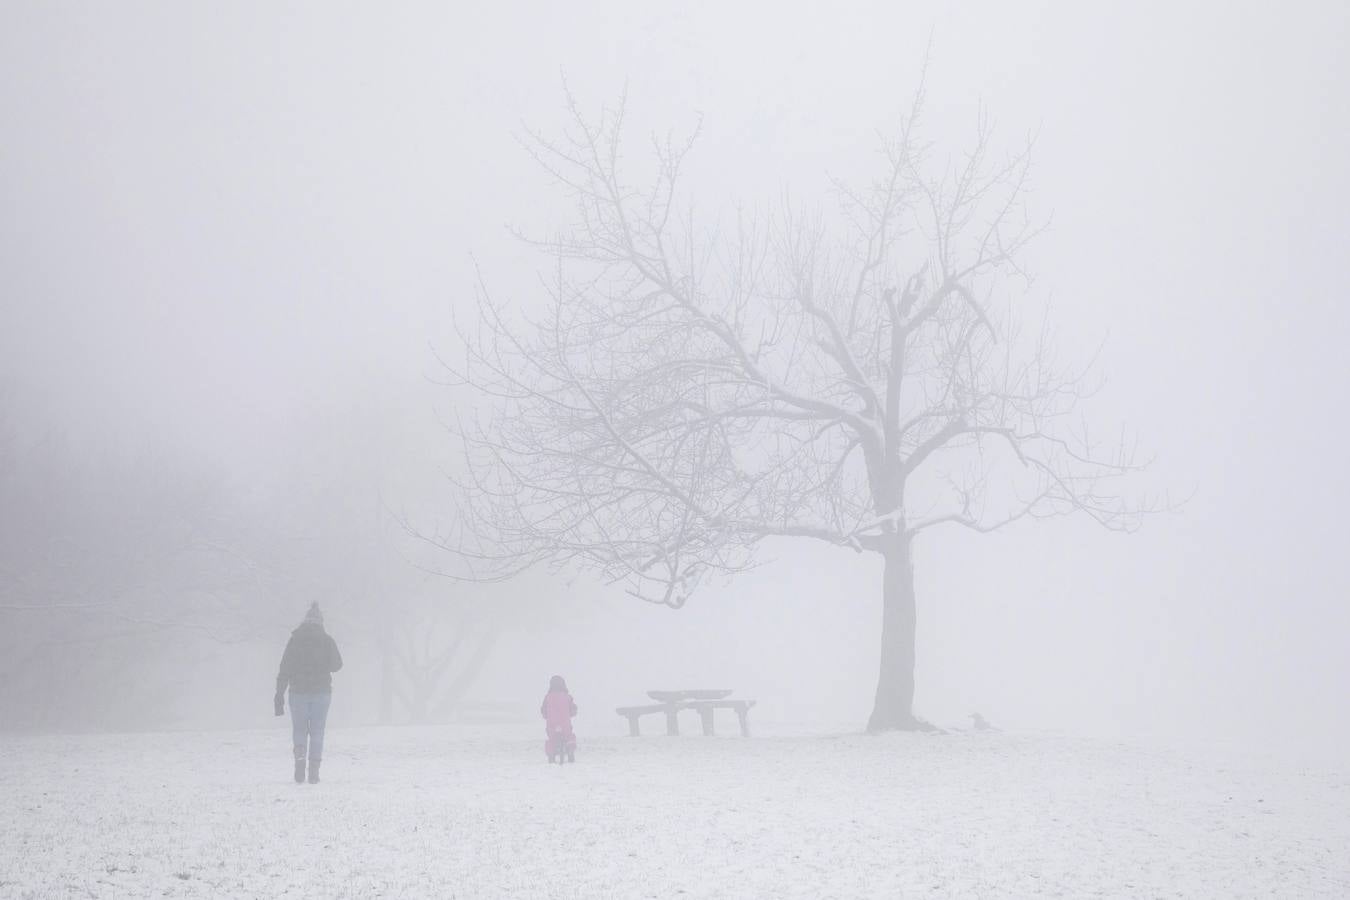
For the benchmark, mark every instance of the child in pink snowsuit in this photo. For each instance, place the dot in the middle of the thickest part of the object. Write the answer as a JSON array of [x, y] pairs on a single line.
[[558, 709]]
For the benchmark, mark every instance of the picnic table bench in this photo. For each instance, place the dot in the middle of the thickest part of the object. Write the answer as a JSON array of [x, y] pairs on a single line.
[[672, 703]]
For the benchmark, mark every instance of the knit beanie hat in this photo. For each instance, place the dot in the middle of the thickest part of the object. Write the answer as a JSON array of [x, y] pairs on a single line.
[[314, 615]]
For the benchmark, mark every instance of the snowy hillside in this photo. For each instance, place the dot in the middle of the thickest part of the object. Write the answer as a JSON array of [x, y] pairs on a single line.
[[461, 813]]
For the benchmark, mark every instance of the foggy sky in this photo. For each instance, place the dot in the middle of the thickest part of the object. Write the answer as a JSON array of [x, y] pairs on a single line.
[[220, 224]]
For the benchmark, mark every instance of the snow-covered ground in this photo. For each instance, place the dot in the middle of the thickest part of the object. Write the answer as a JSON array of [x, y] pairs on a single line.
[[442, 812]]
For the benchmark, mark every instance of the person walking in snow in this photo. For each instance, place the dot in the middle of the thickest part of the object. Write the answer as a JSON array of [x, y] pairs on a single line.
[[307, 668], [558, 709]]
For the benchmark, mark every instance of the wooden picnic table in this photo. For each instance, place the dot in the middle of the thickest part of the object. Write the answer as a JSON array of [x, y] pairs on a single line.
[[672, 703]]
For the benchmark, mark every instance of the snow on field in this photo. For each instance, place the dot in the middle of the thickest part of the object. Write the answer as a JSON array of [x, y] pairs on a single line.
[[433, 812]]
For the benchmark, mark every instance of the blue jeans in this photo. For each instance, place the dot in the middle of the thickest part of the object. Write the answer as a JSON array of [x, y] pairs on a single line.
[[309, 713]]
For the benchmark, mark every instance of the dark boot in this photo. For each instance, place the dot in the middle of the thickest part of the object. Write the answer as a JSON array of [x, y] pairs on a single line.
[[299, 765], [314, 771]]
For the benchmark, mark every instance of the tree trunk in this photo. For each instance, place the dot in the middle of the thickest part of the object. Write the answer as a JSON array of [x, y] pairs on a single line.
[[386, 682], [466, 676], [894, 704]]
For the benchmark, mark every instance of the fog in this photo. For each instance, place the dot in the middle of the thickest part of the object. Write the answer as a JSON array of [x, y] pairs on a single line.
[[236, 242]]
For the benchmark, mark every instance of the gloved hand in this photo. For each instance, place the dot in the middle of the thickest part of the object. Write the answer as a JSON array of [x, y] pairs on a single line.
[[279, 705]]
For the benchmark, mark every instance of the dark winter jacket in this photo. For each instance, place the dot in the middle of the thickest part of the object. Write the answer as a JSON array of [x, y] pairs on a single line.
[[310, 659]]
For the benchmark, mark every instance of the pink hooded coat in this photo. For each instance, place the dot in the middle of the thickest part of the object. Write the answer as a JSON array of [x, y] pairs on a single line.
[[558, 709]]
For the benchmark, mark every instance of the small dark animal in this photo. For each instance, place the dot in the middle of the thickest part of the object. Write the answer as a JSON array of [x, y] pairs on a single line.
[[981, 723]]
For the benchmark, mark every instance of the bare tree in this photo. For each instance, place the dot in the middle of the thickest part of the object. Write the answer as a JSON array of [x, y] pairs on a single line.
[[857, 378], [434, 652]]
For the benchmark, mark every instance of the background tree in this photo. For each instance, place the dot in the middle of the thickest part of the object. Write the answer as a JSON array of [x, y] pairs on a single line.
[[437, 646], [131, 582], [857, 378], [114, 570]]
